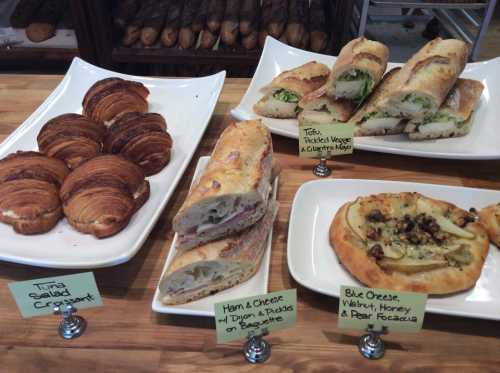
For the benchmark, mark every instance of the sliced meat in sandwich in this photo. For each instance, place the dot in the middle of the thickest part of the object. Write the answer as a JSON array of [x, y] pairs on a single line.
[[358, 69], [317, 107], [218, 265], [370, 120], [232, 193], [453, 119], [283, 94], [426, 79]]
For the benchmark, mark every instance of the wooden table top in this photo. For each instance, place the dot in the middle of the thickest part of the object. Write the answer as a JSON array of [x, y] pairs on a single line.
[[125, 335]]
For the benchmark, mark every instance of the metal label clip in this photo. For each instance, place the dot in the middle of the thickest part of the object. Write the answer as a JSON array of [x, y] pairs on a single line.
[[71, 326], [256, 349], [371, 345]]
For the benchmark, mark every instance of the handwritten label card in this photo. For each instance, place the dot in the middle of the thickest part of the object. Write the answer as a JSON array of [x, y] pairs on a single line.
[[317, 140], [236, 318], [38, 297], [398, 311]]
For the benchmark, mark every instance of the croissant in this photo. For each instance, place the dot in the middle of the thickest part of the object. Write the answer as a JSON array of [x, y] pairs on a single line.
[[71, 138], [101, 195], [109, 98], [29, 191], [142, 139]]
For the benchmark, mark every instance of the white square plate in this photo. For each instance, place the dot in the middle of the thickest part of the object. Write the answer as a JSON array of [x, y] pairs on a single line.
[[481, 143], [256, 285], [312, 261], [186, 104]]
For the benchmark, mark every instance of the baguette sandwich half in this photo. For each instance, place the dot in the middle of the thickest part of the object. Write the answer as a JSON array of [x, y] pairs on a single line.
[[370, 120], [218, 265], [453, 119], [358, 69], [317, 107], [232, 193], [283, 94], [426, 79]]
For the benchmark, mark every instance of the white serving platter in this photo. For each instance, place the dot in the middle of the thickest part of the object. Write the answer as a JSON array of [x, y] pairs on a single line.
[[481, 143], [256, 285], [313, 263], [186, 104]]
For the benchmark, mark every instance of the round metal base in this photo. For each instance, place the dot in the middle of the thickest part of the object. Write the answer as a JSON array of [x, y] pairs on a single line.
[[257, 351], [371, 347], [74, 329], [322, 169]]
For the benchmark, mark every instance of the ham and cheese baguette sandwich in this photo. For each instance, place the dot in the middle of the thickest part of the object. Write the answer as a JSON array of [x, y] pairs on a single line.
[[370, 120], [218, 265], [427, 78], [453, 119], [283, 94], [232, 193], [358, 69], [317, 107]]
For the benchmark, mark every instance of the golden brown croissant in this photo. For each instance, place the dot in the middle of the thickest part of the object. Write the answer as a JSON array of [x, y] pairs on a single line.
[[29, 191], [101, 195], [109, 98], [141, 138], [71, 138]]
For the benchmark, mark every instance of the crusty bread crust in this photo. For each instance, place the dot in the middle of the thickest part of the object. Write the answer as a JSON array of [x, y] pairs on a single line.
[[240, 165], [301, 80], [244, 250], [348, 247], [373, 101], [463, 98], [362, 54], [340, 109], [431, 73], [490, 218]]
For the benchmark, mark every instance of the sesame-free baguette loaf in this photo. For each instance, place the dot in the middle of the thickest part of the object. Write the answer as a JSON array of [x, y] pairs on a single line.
[[232, 193]]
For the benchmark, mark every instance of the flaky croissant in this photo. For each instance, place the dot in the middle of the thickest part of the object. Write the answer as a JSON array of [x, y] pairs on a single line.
[[109, 98], [29, 191], [141, 138], [72, 138], [101, 195]]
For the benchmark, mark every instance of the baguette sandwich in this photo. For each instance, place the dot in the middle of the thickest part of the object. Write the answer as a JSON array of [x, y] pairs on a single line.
[[232, 193], [358, 69], [217, 265], [370, 120], [317, 107], [453, 119], [283, 94], [426, 79]]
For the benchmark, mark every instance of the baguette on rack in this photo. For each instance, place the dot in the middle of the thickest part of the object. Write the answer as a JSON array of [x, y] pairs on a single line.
[[233, 191]]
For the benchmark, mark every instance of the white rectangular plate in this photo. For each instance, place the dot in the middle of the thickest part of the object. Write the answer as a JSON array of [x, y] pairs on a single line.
[[256, 285], [186, 104], [313, 263], [481, 143]]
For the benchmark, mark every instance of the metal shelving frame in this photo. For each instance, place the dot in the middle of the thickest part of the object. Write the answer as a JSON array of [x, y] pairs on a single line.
[[462, 20]]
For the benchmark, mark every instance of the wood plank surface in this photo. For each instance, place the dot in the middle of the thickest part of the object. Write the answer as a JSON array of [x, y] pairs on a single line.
[[125, 335]]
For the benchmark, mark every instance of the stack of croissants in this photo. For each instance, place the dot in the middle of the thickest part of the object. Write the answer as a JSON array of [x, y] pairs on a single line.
[[91, 168], [300, 23]]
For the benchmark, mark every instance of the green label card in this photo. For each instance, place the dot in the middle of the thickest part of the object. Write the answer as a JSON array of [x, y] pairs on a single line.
[[38, 297], [325, 140], [236, 318], [398, 311]]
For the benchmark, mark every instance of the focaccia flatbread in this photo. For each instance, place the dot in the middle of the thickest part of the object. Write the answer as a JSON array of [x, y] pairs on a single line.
[[409, 242], [490, 218]]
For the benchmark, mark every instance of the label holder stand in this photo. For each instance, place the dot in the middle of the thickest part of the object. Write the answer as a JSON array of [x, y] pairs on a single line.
[[322, 169], [371, 346], [71, 326], [256, 349]]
